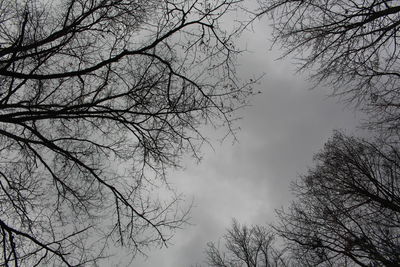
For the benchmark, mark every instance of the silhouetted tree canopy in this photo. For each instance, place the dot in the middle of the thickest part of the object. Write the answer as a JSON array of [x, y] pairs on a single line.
[[97, 99], [347, 210], [246, 246], [352, 46]]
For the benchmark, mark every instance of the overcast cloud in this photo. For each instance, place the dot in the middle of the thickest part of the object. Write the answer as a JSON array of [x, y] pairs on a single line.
[[281, 131]]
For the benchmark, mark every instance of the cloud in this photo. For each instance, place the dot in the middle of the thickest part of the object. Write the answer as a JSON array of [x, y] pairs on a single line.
[[281, 131]]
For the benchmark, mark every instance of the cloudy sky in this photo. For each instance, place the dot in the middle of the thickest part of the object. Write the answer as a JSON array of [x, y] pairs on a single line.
[[247, 180]]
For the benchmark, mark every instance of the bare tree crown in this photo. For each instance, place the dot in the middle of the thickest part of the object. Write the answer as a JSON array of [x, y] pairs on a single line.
[[97, 99], [347, 207], [252, 246], [351, 46]]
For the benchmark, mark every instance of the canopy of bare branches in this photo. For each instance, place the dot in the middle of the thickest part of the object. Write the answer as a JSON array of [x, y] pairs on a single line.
[[352, 46], [347, 211], [97, 99], [252, 246]]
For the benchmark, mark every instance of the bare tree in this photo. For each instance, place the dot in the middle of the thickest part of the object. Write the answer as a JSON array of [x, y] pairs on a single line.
[[347, 211], [97, 99], [351, 46], [347, 207], [246, 246]]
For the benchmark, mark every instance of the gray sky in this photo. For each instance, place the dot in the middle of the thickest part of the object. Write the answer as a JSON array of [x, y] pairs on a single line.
[[281, 131]]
